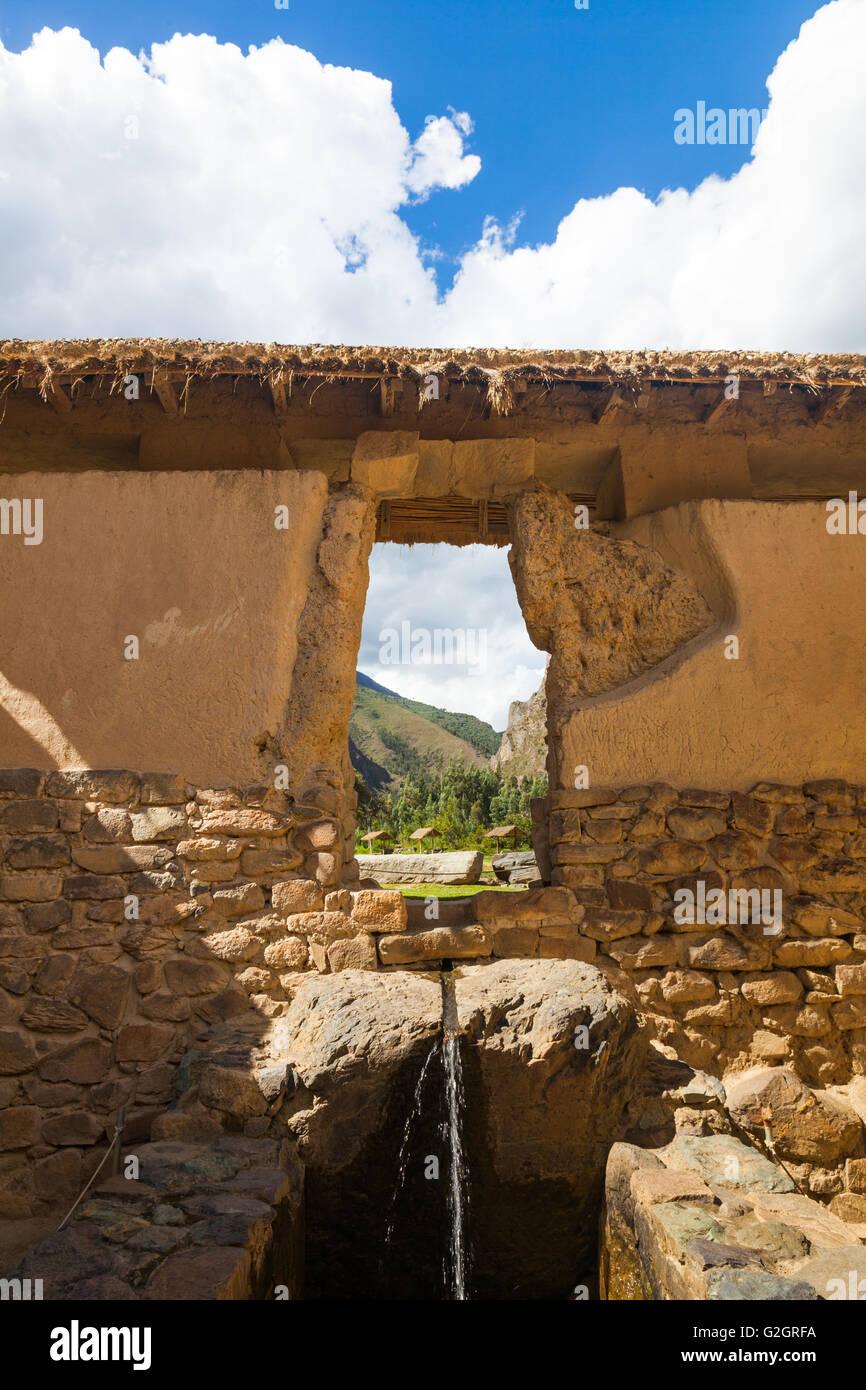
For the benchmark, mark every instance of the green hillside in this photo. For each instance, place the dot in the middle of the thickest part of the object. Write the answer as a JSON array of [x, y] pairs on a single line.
[[391, 737]]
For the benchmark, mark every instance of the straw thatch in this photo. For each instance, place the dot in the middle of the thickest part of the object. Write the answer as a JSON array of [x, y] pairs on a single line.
[[501, 373]]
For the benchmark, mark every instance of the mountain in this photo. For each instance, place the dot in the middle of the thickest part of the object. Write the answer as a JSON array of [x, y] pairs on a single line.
[[391, 736], [523, 751]]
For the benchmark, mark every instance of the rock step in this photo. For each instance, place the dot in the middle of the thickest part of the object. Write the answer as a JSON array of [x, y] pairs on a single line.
[[708, 1217], [220, 1220]]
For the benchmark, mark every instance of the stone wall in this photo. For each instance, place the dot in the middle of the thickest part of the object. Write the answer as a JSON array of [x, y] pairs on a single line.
[[722, 993], [135, 912]]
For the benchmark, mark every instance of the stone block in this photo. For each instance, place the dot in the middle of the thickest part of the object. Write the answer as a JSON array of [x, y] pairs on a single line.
[[433, 478], [727, 953], [580, 948], [622, 893], [238, 901], [161, 789], [121, 859], [638, 953], [158, 823], [687, 987], [492, 467], [324, 927], [209, 848], [353, 953], [386, 461], [143, 1042], [38, 852], [259, 863], [78, 1128], [669, 858], [695, 825], [850, 979], [652, 1185], [296, 895], [437, 943], [783, 987], [609, 924], [813, 954], [513, 942], [20, 1127], [569, 799], [25, 816], [751, 815], [186, 976], [591, 854], [233, 821], [777, 793], [89, 785], [379, 911], [20, 781], [84, 1063], [291, 953], [30, 888]]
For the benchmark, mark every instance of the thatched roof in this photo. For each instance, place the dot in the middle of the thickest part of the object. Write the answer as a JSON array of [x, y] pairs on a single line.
[[41, 363]]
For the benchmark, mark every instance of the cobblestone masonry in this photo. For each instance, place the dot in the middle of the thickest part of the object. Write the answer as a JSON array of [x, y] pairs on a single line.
[[137, 912]]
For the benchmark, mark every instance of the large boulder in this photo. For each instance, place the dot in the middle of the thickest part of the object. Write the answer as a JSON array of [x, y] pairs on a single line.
[[552, 1058], [806, 1126], [453, 867], [365, 1112], [348, 1037], [517, 866]]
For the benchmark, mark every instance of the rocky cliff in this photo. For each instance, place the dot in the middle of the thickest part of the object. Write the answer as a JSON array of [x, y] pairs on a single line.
[[523, 751]]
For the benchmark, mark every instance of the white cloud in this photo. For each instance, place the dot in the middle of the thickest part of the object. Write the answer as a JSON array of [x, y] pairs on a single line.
[[262, 198], [770, 258], [439, 161], [464, 589], [251, 187]]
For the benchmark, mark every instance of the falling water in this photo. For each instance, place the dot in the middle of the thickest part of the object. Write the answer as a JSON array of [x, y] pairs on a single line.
[[403, 1157], [457, 1178]]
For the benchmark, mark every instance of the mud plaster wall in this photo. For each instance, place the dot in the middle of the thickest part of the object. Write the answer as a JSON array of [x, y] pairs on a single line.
[[639, 687], [193, 565]]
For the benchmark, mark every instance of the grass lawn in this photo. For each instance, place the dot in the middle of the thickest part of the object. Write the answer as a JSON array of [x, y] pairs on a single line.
[[453, 890]]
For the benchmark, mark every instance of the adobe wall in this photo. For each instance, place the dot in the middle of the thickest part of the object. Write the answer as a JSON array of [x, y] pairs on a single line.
[[220, 600], [640, 688]]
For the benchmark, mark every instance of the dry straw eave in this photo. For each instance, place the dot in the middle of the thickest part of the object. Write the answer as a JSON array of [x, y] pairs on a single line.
[[501, 372]]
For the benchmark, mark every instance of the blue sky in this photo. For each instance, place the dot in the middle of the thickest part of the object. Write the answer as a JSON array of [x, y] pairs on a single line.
[[566, 104], [500, 174]]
